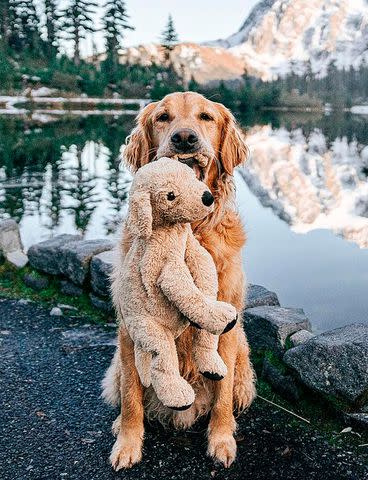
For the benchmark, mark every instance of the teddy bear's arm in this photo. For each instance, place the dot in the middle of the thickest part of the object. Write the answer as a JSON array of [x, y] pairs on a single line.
[[201, 267], [178, 286]]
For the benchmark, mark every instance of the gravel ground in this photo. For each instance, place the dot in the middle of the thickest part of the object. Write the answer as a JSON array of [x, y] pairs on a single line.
[[53, 424]]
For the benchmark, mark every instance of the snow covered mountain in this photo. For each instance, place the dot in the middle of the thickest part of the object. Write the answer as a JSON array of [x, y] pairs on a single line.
[[280, 36]]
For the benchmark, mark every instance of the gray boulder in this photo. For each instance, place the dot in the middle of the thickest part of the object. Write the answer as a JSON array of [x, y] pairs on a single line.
[[300, 337], [335, 363], [75, 258], [258, 296], [11, 246], [45, 256], [268, 327], [101, 268]]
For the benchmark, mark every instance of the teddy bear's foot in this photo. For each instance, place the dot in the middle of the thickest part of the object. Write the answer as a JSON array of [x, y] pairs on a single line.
[[220, 318], [211, 365], [174, 392], [212, 376], [181, 409]]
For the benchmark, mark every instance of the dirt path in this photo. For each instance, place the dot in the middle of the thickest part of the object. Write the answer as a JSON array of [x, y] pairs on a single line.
[[54, 426]]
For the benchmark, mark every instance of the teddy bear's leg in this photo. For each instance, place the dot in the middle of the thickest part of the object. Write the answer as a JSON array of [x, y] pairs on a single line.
[[171, 389], [206, 356], [143, 364]]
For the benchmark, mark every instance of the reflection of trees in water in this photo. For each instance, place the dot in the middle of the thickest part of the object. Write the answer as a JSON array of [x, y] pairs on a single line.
[[31, 155], [79, 185], [11, 203], [118, 184], [32, 191], [337, 124], [56, 189]]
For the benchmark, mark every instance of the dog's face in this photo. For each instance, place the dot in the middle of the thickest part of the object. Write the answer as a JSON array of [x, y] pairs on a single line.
[[190, 128], [164, 193], [186, 124]]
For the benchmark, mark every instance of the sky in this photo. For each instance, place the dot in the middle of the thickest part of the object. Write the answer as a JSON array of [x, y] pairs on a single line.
[[195, 20]]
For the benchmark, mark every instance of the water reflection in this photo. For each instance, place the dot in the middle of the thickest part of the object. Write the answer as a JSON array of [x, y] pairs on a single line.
[[63, 177], [312, 179]]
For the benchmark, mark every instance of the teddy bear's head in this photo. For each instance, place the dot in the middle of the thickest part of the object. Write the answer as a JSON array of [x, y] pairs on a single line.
[[166, 192]]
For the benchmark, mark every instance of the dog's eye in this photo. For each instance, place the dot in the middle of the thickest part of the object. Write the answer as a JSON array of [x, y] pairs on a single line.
[[164, 117], [204, 116], [171, 196]]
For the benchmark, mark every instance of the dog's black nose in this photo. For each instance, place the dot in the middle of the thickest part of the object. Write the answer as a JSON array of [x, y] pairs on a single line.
[[185, 140], [207, 198]]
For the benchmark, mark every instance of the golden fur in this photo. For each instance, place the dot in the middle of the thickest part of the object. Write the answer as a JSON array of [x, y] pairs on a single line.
[[221, 233]]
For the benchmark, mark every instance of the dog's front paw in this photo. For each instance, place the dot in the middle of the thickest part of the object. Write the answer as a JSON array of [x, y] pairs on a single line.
[[126, 452], [222, 448]]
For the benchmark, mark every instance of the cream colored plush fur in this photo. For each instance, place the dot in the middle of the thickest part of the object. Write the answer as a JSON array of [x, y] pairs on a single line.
[[169, 280]]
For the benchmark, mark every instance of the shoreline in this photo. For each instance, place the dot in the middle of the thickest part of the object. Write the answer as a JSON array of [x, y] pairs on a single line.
[[10, 101]]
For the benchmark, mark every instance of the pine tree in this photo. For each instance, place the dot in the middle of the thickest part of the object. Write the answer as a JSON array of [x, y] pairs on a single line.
[[5, 21], [169, 38], [52, 18], [29, 24], [115, 22], [77, 20], [23, 24]]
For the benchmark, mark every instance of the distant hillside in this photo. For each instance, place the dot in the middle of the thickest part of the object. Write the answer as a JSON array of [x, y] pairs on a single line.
[[190, 60], [279, 37]]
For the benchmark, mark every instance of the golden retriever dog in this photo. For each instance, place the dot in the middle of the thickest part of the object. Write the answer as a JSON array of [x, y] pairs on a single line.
[[189, 128]]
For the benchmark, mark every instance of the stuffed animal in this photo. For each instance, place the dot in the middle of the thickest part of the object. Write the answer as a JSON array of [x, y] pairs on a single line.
[[169, 281]]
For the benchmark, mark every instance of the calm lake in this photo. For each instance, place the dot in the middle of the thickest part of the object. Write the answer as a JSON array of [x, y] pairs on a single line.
[[303, 197]]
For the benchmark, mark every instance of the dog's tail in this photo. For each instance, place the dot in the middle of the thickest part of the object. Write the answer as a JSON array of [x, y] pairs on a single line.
[[111, 381]]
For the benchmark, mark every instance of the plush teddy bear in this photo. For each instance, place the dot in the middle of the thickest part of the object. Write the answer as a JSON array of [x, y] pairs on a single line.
[[169, 280]]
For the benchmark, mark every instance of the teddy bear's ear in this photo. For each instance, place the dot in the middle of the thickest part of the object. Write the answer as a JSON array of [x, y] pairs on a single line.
[[139, 220]]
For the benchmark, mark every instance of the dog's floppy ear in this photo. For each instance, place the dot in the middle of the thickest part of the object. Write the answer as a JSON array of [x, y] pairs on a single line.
[[139, 149], [233, 150], [139, 220]]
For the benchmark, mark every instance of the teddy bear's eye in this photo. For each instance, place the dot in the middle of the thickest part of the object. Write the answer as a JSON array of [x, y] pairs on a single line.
[[171, 196]]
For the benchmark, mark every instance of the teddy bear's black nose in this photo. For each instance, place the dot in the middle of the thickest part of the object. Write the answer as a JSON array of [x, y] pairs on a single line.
[[207, 198]]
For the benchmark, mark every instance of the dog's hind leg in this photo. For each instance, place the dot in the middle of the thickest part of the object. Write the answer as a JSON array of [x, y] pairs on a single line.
[[127, 449]]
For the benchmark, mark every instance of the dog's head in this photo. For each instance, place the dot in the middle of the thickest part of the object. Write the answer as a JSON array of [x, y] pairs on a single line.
[[166, 193], [192, 129]]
